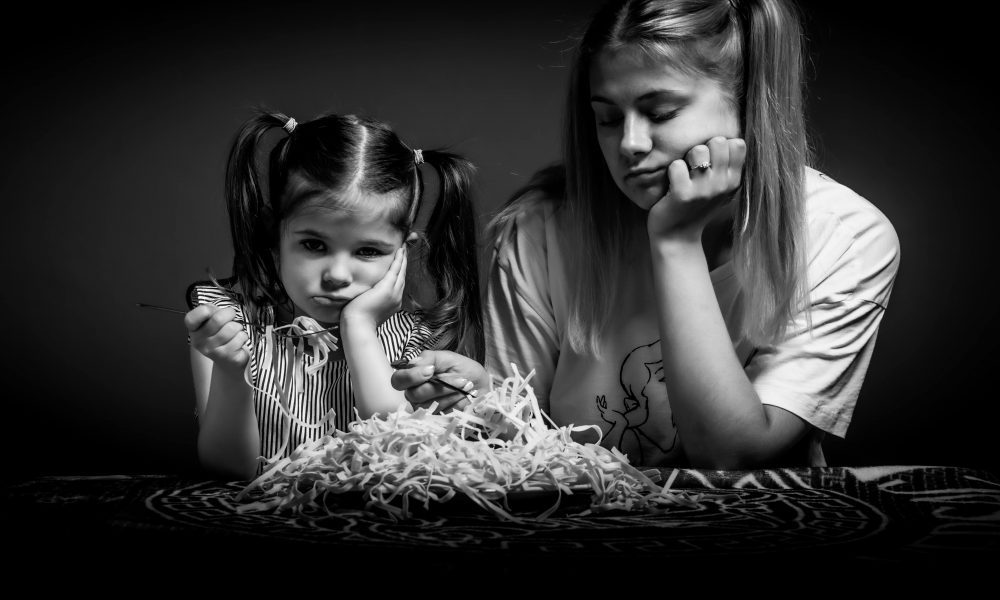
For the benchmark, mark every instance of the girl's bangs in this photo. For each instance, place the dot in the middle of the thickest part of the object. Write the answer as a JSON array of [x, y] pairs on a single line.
[[302, 193]]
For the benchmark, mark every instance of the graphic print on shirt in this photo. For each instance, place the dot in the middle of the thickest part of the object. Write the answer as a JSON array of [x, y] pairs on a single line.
[[641, 378]]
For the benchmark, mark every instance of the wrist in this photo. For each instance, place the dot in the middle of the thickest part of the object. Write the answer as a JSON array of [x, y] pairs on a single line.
[[231, 370], [351, 324], [675, 247]]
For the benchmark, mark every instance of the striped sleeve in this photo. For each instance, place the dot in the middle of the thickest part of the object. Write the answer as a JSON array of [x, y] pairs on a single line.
[[205, 292], [422, 337], [394, 334]]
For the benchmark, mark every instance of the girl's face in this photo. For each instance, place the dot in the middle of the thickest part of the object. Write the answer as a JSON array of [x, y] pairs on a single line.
[[328, 257], [647, 115]]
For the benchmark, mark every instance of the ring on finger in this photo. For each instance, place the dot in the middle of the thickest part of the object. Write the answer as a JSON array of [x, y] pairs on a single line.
[[701, 166]]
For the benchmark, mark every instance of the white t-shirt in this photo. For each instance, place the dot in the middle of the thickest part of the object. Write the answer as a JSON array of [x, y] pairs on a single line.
[[853, 256]]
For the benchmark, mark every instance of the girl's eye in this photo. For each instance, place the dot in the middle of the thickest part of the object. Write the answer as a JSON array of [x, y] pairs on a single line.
[[368, 252], [313, 245]]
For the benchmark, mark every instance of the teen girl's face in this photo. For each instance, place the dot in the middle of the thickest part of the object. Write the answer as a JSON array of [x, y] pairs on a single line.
[[648, 115], [327, 257]]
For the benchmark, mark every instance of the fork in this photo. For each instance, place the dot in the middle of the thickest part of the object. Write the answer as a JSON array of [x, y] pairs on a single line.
[[254, 325]]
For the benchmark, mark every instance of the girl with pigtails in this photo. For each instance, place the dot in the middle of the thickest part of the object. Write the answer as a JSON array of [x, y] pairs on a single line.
[[303, 336]]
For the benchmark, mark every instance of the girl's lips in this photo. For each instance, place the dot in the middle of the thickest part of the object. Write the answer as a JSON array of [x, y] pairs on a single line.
[[326, 301]]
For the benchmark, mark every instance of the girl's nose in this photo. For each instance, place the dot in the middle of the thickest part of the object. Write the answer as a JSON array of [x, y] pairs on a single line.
[[635, 136], [336, 273]]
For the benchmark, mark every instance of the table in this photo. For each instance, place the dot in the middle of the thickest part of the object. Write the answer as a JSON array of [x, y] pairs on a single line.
[[876, 519]]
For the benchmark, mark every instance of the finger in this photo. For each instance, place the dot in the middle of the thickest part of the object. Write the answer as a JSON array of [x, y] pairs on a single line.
[[455, 384], [407, 377], [680, 178], [235, 343], [737, 158], [225, 334], [718, 148], [434, 391], [219, 319], [400, 283], [718, 153], [447, 361], [425, 358], [389, 279], [235, 350], [443, 397], [699, 159], [451, 402], [397, 263], [197, 316], [401, 278], [423, 396]]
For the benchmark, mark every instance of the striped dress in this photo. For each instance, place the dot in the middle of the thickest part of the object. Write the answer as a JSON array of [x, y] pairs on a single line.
[[311, 397]]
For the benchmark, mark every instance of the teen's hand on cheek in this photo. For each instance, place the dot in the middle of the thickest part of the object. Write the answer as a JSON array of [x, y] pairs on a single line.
[[384, 299], [700, 184]]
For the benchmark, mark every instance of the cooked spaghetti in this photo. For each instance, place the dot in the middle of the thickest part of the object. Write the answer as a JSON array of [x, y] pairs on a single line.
[[498, 445]]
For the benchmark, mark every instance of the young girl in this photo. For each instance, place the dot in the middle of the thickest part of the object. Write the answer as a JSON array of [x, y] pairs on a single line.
[[310, 322], [685, 280]]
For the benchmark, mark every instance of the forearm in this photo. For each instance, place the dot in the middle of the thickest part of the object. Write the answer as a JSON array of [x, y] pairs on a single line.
[[228, 437], [719, 416], [369, 369]]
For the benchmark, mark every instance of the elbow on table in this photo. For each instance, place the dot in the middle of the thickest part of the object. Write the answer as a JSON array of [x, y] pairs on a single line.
[[725, 463], [729, 457]]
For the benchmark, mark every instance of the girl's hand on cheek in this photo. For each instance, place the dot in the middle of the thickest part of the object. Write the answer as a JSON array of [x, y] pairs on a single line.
[[216, 334], [696, 191], [384, 299]]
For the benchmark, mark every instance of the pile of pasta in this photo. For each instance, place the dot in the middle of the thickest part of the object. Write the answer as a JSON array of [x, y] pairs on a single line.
[[499, 445]]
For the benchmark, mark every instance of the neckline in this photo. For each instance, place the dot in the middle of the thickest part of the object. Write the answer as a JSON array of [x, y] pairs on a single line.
[[722, 272]]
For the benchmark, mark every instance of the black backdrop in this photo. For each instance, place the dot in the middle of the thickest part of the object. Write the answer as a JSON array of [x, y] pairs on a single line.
[[117, 123]]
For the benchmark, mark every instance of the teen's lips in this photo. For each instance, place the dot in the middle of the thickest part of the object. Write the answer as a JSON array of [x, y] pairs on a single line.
[[646, 177], [330, 301]]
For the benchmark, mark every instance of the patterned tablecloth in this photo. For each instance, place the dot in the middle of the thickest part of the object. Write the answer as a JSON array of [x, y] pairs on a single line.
[[886, 517]]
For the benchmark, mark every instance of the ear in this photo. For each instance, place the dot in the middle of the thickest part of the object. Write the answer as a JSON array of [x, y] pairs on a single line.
[[410, 239]]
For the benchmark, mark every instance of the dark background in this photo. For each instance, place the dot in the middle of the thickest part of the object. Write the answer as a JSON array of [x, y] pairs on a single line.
[[117, 125]]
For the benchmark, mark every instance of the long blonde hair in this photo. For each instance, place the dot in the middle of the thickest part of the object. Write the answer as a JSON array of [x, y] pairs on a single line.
[[753, 48]]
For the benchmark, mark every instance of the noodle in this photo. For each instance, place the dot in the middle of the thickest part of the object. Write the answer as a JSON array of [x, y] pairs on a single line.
[[501, 443]]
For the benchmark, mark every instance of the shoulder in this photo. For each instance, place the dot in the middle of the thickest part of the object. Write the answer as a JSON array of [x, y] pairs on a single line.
[[826, 199], [835, 210], [530, 210], [412, 333], [407, 324], [207, 292], [526, 226], [844, 228]]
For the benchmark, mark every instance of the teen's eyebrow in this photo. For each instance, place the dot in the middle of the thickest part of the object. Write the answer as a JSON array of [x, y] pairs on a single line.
[[662, 95]]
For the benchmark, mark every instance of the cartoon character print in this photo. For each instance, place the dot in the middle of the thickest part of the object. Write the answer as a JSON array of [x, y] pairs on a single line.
[[641, 377]]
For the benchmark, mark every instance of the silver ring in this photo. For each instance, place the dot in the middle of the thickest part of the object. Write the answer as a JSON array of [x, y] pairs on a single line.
[[701, 166]]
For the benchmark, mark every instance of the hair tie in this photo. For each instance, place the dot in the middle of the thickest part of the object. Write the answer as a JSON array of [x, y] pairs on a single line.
[[418, 156], [289, 125]]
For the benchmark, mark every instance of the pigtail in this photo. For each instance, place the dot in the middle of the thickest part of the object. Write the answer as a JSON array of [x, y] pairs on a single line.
[[251, 218], [452, 258]]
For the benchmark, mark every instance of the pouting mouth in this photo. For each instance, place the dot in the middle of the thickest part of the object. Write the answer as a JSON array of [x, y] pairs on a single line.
[[328, 301]]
